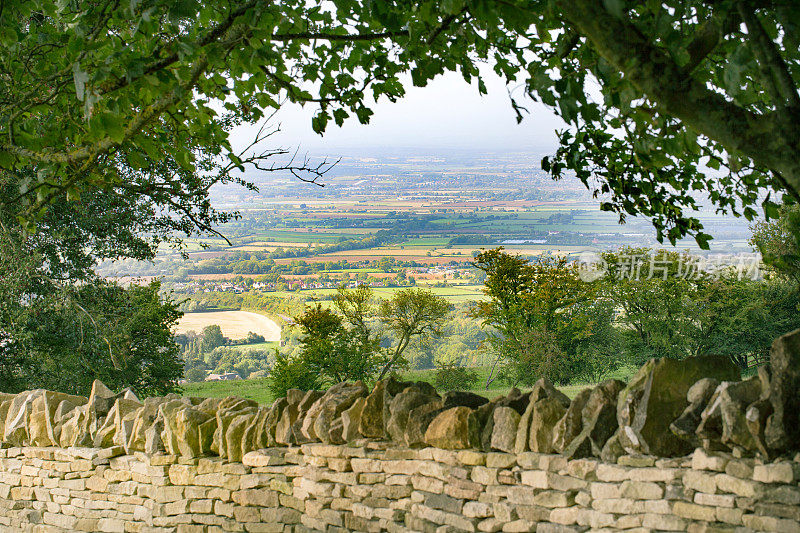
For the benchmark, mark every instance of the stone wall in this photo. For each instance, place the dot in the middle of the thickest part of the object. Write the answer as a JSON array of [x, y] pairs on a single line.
[[403, 456], [375, 486]]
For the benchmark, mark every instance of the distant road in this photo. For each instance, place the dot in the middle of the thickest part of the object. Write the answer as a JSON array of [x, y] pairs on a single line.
[[234, 324]]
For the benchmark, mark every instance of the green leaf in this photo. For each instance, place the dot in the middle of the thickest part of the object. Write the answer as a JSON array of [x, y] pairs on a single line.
[[6, 160], [615, 7], [771, 210], [702, 240], [112, 126], [452, 7]]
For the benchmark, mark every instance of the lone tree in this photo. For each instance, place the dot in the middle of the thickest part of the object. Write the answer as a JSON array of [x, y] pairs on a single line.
[[411, 313], [95, 94]]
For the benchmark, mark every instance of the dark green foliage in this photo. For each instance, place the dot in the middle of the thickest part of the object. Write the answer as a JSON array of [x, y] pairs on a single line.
[[212, 338], [291, 373], [675, 311], [254, 338], [96, 331], [410, 314], [451, 375], [541, 314], [334, 352], [779, 241]]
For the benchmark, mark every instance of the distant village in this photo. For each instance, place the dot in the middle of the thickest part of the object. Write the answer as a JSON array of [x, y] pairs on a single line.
[[239, 285]]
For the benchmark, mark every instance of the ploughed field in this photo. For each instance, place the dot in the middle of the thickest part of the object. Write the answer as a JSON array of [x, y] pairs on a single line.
[[234, 324]]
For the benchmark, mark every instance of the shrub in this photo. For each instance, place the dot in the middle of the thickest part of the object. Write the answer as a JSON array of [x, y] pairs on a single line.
[[453, 376], [291, 373], [195, 374]]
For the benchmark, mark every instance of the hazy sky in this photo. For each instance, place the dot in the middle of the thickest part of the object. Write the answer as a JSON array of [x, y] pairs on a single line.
[[448, 113]]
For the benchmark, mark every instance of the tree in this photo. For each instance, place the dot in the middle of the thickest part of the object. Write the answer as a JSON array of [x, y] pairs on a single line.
[[355, 305], [291, 373], [408, 314], [672, 307], [683, 85], [333, 351], [598, 354], [658, 302], [452, 374], [254, 338], [538, 312], [779, 241], [212, 338], [686, 85], [99, 330]]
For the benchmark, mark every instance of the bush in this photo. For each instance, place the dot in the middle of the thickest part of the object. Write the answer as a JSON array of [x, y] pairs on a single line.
[[291, 373], [195, 374], [452, 376]]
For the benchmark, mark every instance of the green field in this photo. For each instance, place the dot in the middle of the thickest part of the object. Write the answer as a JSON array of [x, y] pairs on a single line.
[[269, 346], [256, 389], [253, 389], [453, 294]]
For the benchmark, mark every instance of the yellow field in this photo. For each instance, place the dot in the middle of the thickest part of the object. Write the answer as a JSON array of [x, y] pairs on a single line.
[[234, 324]]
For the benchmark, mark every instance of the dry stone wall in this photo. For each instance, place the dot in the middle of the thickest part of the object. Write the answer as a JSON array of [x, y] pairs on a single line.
[[401, 456], [376, 486]]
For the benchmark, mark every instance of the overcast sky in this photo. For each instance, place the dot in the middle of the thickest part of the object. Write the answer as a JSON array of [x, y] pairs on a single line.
[[448, 113]]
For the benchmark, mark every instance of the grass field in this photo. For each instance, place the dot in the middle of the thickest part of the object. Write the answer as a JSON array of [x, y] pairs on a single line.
[[253, 389], [268, 346], [234, 324], [256, 389]]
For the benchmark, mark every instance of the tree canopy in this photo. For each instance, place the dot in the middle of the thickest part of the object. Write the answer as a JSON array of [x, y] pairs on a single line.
[[140, 96]]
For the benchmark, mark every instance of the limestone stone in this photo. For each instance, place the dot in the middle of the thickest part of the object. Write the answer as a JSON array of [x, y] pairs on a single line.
[[166, 414], [375, 414], [514, 400], [656, 396], [236, 441], [153, 443], [504, 431], [756, 418], [782, 430], [453, 429], [463, 398], [271, 421], [308, 400], [544, 389], [571, 424], [401, 407], [351, 419], [101, 398], [283, 429], [723, 420], [545, 415], [787, 472], [144, 418], [523, 428], [231, 409], [321, 415], [704, 460], [685, 426], [185, 425], [419, 418], [336, 432], [16, 424], [598, 420]]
